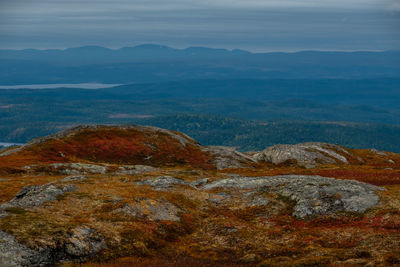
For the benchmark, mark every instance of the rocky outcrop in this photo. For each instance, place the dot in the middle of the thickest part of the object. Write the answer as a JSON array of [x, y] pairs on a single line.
[[35, 195], [68, 168], [14, 254], [226, 157], [84, 169], [313, 195], [308, 155], [153, 210]]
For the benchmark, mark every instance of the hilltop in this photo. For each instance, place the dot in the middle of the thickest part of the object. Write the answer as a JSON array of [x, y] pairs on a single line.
[[128, 195]]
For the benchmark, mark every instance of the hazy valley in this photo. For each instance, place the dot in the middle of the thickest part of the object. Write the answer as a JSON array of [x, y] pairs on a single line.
[[293, 162]]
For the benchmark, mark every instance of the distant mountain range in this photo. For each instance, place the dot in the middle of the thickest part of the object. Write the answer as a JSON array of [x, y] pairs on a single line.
[[150, 63]]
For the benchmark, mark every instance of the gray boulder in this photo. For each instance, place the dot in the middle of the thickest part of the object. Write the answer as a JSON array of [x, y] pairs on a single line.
[[14, 254], [226, 157], [308, 155], [35, 195], [313, 194]]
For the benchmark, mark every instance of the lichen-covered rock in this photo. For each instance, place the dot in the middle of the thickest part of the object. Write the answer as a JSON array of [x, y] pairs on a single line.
[[35, 195], [163, 182], [134, 169], [308, 155], [84, 242], [313, 194], [79, 168], [14, 254], [226, 157], [151, 210]]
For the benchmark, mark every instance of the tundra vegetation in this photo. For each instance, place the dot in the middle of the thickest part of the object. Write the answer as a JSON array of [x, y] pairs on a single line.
[[145, 196]]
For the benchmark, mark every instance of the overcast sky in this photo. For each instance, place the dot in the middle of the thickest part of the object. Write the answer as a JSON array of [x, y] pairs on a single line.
[[257, 25]]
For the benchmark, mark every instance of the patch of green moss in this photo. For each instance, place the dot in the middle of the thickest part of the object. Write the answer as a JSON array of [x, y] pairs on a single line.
[[16, 210]]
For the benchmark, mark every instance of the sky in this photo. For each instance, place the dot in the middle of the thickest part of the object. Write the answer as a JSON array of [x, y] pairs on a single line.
[[255, 25]]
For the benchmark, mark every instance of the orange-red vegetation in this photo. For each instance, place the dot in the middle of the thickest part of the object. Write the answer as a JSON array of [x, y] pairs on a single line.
[[208, 234], [113, 145]]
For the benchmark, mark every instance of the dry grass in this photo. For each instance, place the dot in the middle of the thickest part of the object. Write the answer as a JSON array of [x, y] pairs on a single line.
[[207, 234], [227, 234]]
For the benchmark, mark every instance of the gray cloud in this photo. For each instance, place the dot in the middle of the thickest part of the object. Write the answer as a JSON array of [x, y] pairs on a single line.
[[252, 24]]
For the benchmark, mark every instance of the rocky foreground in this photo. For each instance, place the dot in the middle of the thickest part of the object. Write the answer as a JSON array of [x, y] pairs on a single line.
[[135, 196]]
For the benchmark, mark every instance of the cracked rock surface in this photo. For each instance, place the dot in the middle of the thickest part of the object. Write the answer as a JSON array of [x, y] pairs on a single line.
[[313, 194]]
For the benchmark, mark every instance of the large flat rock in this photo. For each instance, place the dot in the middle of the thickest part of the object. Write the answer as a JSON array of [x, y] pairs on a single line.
[[313, 195]]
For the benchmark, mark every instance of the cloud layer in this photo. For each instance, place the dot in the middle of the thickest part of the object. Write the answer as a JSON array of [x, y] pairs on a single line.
[[260, 25]]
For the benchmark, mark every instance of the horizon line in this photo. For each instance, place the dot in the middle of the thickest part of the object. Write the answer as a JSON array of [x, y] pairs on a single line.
[[207, 47]]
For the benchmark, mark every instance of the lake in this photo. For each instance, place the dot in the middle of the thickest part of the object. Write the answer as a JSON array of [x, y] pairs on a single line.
[[60, 85], [9, 144]]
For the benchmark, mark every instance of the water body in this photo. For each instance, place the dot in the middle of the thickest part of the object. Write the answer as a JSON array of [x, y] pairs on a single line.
[[60, 85], [3, 144]]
